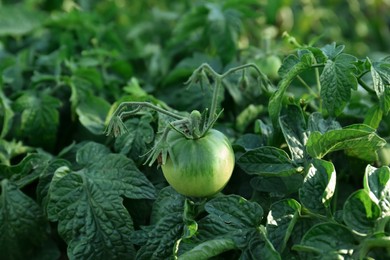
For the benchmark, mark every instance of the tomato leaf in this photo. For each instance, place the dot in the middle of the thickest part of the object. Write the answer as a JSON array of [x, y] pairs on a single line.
[[293, 127], [267, 160], [331, 51], [39, 116], [92, 113], [380, 73], [8, 113], [318, 186], [281, 220], [22, 223], [168, 200], [157, 240], [26, 171], [89, 199], [292, 66], [316, 122], [337, 80], [358, 140], [377, 183], [277, 186], [234, 218], [373, 116], [208, 249], [328, 240], [134, 143], [360, 212]]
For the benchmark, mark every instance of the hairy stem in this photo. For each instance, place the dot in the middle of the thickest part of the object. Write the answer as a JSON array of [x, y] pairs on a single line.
[[119, 111]]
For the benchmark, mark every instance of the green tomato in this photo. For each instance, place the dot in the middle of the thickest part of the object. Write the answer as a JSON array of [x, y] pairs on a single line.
[[199, 167]]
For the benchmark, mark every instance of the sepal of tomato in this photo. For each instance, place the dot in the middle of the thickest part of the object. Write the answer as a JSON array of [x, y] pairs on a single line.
[[198, 167]]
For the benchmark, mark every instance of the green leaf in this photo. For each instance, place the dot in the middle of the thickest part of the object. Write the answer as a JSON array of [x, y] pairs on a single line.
[[23, 226], [259, 245], [26, 171], [380, 73], [159, 240], [360, 212], [278, 186], [39, 116], [223, 28], [317, 123], [337, 80], [134, 143], [377, 183], [318, 186], [7, 112], [92, 113], [168, 200], [16, 20], [358, 140], [373, 116], [331, 51], [230, 217], [291, 68], [46, 174], [10, 150], [328, 241], [235, 210], [281, 221], [208, 249], [91, 153], [88, 204], [293, 126], [267, 160]]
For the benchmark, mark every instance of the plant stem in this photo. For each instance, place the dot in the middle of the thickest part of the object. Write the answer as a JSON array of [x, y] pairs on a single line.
[[214, 102], [141, 105], [365, 86], [307, 86]]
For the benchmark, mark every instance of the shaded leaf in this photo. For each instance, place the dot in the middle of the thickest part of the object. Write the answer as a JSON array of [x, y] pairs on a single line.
[[134, 143], [92, 113], [7, 112], [331, 51], [317, 123], [22, 223], [377, 183], [39, 116], [157, 241], [291, 67], [318, 186], [360, 213], [380, 73], [281, 221], [293, 126], [267, 160], [277, 186], [208, 249], [328, 240]]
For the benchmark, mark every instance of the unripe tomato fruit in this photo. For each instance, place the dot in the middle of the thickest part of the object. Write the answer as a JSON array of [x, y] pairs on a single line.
[[199, 167]]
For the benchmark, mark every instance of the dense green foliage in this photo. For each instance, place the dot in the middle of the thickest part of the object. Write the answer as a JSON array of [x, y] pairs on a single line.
[[309, 130]]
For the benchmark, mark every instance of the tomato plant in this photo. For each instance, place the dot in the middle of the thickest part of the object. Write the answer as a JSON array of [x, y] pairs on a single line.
[[194, 129], [195, 159]]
